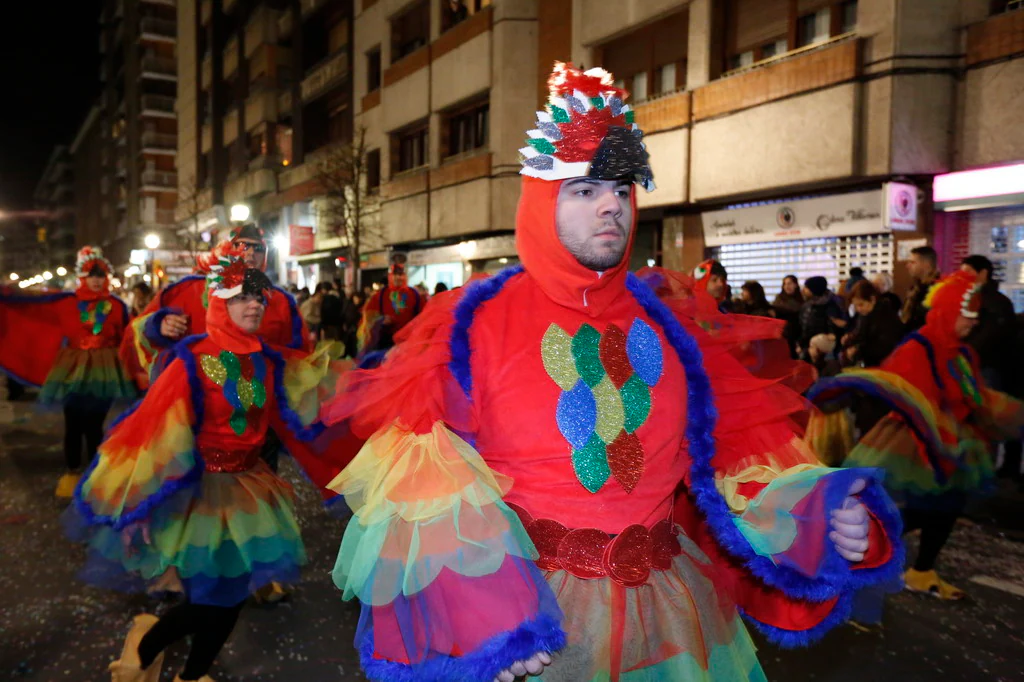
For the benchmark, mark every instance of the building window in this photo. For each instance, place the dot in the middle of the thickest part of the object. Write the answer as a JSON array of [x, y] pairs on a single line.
[[650, 60], [1000, 6], [339, 120], [453, 12], [373, 69], [468, 129], [412, 146], [410, 30], [849, 16], [773, 49], [283, 143], [812, 29], [373, 171], [738, 61]]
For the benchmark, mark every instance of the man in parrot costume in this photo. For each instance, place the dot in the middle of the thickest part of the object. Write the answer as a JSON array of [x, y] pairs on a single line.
[[66, 344], [565, 475], [388, 310]]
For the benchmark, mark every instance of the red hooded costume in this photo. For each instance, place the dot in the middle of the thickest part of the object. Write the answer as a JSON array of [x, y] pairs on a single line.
[[142, 344], [387, 311], [584, 477], [67, 342]]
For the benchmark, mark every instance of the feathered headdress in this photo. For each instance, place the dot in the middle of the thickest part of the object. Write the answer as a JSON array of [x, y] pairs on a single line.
[[90, 258], [230, 276], [586, 130], [959, 292]]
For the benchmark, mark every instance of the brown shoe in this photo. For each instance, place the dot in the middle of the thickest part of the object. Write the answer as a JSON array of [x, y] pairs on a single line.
[[128, 668], [271, 593]]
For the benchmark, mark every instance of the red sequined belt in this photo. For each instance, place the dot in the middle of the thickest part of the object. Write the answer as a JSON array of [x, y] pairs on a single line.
[[627, 558], [91, 342], [220, 461]]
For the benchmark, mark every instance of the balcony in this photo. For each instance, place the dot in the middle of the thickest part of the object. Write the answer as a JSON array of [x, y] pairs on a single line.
[[159, 143], [284, 103], [995, 38], [268, 161], [159, 68], [158, 106], [261, 29], [804, 70], [260, 107], [150, 215], [231, 53], [158, 30], [325, 75], [155, 180], [230, 126]]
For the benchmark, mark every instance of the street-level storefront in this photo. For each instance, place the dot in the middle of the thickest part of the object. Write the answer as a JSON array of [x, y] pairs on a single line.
[[453, 264], [981, 212], [823, 236]]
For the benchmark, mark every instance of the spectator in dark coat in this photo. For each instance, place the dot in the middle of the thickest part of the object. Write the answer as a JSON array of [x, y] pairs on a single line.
[[877, 330], [440, 288], [856, 275], [994, 337], [787, 307], [822, 313], [923, 267], [351, 315], [883, 284], [332, 319], [753, 301]]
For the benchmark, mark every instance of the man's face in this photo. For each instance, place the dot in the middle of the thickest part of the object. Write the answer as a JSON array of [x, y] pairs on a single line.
[[917, 266], [964, 326], [593, 220], [255, 251], [981, 276], [246, 311], [863, 307], [95, 283], [716, 287]]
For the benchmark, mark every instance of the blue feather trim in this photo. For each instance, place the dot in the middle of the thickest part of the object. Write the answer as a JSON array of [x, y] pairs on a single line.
[[930, 351], [543, 633], [24, 382], [297, 341], [169, 488], [477, 294], [28, 298], [794, 639], [288, 415]]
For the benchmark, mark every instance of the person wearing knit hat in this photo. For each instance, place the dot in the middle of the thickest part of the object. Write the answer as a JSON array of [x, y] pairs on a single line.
[[599, 490], [178, 498], [66, 343], [935, 445]]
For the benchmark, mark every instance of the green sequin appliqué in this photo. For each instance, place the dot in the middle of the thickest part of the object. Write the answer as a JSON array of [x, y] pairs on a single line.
[[228, 371], [606, 381], [94, 314]]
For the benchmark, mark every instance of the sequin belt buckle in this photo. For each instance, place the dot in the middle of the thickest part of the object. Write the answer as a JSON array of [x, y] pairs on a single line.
[[588, 553], [221, 461]]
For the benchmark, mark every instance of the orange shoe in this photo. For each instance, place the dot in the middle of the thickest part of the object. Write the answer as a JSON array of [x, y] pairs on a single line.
[[929, 582]]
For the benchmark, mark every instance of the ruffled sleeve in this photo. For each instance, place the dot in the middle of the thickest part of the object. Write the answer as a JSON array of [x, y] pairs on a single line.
[[148, 455], [443, 568], [757, 500]]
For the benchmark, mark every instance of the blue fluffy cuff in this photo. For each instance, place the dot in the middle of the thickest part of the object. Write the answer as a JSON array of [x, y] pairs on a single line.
[[543, 633], [151, 330]]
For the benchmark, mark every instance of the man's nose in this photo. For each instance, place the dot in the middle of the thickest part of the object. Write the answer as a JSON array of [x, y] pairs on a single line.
[[608, 204]]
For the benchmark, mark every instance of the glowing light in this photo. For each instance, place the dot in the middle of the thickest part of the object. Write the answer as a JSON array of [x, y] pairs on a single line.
[[147, 278], [24, 283], [132, 271], [47, 275], [503, 261], [239, 213], [14, 277], [61, 271], [152, 241], [467, 250], [985, 182], [650, 262], [116, 283], [281, 242]]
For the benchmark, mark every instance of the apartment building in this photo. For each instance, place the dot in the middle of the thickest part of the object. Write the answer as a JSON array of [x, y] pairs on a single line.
[[265, 87], [54, 200], [137, 123]]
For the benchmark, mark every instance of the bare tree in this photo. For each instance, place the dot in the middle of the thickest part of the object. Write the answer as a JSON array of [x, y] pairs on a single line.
[[190, 202], [348, 207]]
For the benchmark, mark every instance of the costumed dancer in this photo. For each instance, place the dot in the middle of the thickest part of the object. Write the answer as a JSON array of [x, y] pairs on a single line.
[[387, 311], [712, 278], [178, 498], [66, 343], [936, 443], [598, 484], [179, 309]]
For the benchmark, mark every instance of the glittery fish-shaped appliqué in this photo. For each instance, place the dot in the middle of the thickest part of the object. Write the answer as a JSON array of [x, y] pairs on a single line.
[[606, 382]]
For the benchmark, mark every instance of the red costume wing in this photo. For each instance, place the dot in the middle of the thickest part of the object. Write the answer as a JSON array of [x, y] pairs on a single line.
[[32, 333]]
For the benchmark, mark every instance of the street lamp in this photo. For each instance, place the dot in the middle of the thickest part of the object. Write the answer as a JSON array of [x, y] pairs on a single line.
[[14, 277], [61, 271], [152, 241], [239, 213], [281, 243], [47, 275]]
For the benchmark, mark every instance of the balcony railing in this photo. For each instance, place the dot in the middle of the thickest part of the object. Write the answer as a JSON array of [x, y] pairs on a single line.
[[158, 103], [155, 178], [324, 75], [162, 28], [272, 161], [155, 140], [159, 66]]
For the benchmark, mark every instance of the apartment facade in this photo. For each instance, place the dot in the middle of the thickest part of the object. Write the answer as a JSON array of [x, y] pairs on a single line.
[[54, 200]]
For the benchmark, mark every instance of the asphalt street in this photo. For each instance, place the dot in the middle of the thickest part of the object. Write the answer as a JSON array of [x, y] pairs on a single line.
[[54, 628]]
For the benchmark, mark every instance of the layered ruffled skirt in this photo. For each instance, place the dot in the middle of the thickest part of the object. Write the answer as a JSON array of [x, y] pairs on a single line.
[[677, 626], [86, 376], [217, 541]]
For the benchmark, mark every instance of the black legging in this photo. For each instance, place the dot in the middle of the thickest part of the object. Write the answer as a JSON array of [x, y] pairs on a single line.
[[210, 627], [83, 421], [936, 527]]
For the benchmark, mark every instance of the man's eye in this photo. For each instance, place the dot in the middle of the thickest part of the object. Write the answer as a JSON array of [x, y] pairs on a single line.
[[623, 193], [584, 192]]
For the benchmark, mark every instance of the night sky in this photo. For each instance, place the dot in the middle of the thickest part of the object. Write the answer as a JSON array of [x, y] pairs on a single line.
[[49, 72]]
